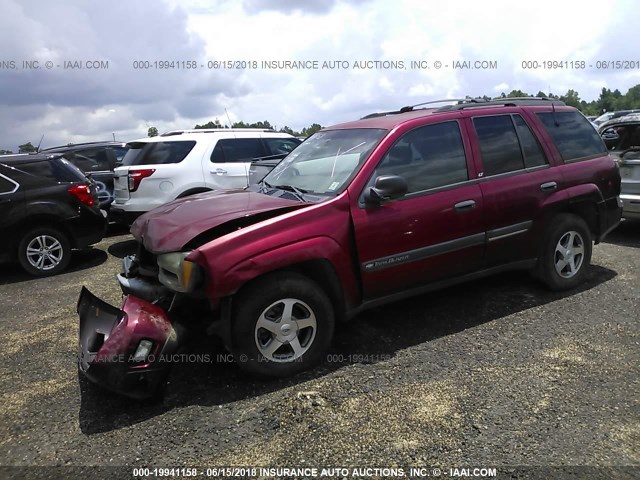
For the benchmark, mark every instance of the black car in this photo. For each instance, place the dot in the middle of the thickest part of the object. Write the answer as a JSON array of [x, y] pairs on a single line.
[[97, 160], [47, 208]]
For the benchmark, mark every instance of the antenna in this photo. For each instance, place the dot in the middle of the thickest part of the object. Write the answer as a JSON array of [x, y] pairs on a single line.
[[228, 118], [40, 143]]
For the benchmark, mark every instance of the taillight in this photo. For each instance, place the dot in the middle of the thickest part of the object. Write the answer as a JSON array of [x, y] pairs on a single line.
[[136, 176], [83, 194]]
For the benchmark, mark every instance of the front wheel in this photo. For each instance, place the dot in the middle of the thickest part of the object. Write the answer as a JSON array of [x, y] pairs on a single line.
[[282, 324], [566, 253]]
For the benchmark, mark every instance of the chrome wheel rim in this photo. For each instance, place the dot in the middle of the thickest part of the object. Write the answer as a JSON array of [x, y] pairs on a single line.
[[285, 330], [44, 252], [569, 254]]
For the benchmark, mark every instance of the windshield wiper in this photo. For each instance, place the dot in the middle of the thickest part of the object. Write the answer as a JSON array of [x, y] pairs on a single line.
[[296, 190]]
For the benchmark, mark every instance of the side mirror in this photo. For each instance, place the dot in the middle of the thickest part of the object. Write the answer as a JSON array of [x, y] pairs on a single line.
[[386, 187]]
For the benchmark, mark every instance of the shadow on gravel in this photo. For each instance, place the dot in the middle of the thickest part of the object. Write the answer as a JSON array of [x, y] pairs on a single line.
[[122, 249], [80, 260], [626, 235], [116, 229], [209, 377]]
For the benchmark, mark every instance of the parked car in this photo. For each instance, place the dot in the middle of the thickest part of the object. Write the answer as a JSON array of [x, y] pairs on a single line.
[[622, 136], [361, 214], [611, 115], [97, 160], [184, 162], [260, 167], [47, 208]]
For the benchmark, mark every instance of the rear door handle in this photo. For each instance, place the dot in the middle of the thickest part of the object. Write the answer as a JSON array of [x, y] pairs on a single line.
[[219, 171], [546, 187], [466, 205]]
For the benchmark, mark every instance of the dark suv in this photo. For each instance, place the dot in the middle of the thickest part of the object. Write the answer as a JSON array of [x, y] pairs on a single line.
[[47, 208], [97, 160], [360, 214]]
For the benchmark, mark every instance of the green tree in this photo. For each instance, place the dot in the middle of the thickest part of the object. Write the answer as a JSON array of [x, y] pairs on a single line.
[[571, 98], [5, 152], [211, 124], [27, 148], [152, 132], [311, 130], [242, 124], [290, 131], [517, 93]]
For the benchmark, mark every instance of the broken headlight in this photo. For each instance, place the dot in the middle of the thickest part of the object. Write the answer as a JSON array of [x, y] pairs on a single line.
[[177, 273]]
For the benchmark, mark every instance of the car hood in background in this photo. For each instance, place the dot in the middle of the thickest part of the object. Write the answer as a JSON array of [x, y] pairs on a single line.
[[170, 227]]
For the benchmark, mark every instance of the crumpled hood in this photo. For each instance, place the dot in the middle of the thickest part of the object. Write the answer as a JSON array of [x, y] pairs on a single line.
[[170, 227]]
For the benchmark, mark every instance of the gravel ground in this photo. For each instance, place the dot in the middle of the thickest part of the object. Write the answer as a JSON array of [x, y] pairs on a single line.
[[498, 372]]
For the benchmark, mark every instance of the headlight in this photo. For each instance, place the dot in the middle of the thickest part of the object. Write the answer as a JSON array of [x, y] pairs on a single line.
[[178, 274]]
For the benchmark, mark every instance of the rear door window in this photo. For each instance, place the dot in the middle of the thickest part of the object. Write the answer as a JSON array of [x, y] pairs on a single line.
[[237, 150], [574, 137], [499, 145], [533, 154], [157, 153]]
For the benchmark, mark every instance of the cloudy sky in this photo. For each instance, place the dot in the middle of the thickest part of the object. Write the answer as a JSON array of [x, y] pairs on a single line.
[[116, 98]]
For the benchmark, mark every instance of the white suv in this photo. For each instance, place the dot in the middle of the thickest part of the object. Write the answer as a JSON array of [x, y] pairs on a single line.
[[157, 170]]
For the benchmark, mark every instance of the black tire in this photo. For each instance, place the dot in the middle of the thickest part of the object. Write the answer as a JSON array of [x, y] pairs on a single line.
[[565, 230], [54, 261], [270, 295]]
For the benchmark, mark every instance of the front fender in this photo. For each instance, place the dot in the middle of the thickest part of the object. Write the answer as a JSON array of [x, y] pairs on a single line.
[[316, 248]]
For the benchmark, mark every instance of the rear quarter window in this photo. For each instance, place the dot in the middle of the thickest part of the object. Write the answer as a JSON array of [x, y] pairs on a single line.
[[56, 170], [574, 137], [157, 153]]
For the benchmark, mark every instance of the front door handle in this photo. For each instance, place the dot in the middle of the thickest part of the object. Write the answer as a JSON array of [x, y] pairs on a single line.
[[219, 171], [548, 186], [466, 205]]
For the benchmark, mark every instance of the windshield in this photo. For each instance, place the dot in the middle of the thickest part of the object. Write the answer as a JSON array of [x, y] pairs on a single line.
[[325, 162]]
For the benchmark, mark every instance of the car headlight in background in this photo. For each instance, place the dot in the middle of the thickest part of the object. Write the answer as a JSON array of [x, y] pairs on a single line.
[[178, 274]]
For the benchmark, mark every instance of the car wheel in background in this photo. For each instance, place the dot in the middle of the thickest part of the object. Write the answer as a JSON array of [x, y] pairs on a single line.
[[44, 251]]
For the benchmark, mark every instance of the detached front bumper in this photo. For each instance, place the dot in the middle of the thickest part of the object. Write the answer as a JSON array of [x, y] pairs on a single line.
[[125, 350]]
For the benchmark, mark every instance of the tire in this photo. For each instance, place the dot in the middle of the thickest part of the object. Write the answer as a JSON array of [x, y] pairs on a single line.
[[566, 254], [268, 345], [44, 251]]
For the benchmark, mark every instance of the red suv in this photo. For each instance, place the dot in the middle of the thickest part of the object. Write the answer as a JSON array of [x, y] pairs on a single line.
[[360, 214]]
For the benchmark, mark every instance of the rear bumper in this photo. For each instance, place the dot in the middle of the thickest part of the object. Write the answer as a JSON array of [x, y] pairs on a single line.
[[109, 338], [609, 215], [631, 206]]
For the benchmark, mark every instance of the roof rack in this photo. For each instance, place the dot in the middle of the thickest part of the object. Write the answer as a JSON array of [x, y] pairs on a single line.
[[81, 144], [468, 102], [215, 130], [504, 102]]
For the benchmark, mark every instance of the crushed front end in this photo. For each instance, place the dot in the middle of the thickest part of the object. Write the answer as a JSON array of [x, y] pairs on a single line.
[[125, 350]]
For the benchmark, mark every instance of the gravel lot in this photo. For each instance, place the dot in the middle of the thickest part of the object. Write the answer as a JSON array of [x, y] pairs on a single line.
[[498, 372]]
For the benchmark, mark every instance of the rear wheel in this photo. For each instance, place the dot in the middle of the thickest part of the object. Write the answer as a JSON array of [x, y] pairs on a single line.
[[282, 325], [566, 253], [44, 251]]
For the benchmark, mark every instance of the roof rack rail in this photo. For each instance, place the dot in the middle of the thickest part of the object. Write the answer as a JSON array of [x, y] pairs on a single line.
[[506, 102], [215, 130], [410, 108]]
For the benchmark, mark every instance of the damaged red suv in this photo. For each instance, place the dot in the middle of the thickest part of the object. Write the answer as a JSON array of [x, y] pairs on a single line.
[[360, 214]]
